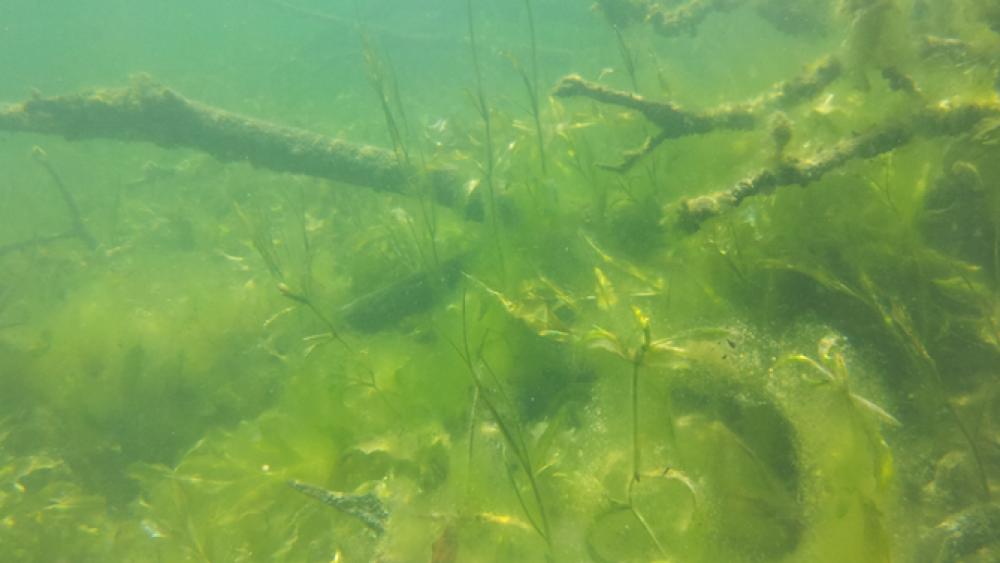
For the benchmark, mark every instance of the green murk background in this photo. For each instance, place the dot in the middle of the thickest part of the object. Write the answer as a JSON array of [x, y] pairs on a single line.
[[818, 370]]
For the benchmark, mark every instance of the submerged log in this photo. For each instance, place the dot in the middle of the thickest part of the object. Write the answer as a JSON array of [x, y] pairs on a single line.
[[147, 111]]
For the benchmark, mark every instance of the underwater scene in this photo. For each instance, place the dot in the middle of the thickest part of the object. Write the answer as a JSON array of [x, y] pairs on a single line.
[[451, 281]]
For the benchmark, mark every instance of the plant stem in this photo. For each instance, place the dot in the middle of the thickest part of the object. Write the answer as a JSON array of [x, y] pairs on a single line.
[[635, 421], [645, 526], [79, 227], [484, 112], [515, 443], [533, 90]]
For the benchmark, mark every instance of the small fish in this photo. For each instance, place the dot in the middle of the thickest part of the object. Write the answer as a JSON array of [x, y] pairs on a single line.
[[367, 507], [152, 529], [440, 126]]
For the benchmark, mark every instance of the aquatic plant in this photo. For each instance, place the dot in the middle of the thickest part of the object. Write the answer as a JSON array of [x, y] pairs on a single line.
[[531, 84], [79, 229], [509, 426], [834, 372], [483, 108], [649, 351], [285, 308]]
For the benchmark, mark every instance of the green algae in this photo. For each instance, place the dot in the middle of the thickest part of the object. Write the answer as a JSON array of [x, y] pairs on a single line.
[[213, 333]]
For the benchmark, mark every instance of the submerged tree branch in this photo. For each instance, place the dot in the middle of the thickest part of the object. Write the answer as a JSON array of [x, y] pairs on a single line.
[[937, 121], [677, 122], [147, 111]]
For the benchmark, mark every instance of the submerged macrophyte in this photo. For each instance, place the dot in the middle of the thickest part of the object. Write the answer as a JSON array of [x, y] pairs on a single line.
[[483, 108], [531, 84], [962, 207], [736, 463], [493, 395], [79, 225], [648, 353], [833, 371], [878, 36], [413, 294], [971, 535], [898, 81], [635, 229]]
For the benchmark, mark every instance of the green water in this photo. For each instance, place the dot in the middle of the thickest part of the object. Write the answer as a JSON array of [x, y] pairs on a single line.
[[549, 368]]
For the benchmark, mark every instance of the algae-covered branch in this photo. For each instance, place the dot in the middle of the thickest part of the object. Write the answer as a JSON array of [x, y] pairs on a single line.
[[684, 18], [937, 121], [677, 122], [147, 111]]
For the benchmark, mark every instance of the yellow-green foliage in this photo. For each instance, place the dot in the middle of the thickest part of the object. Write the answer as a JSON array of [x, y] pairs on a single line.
[[811, 376]]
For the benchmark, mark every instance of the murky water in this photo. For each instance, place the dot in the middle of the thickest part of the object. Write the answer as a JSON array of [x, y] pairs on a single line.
[[518, 281]]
